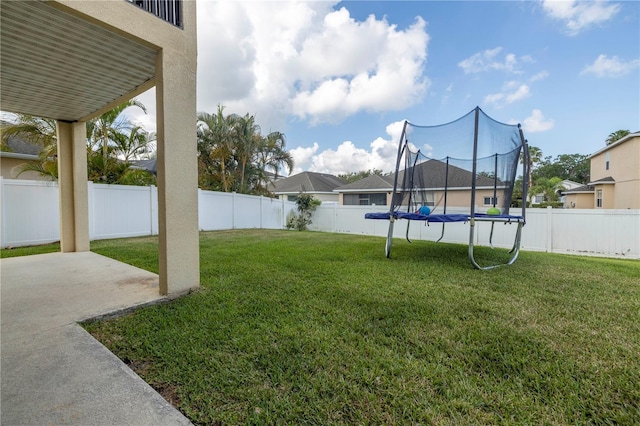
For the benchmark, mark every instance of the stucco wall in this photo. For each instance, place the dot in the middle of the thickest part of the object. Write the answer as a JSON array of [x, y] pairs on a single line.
[[9, 170], [579, 201]]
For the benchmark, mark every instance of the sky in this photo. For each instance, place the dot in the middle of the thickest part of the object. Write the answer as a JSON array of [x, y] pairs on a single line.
[[339, 78]]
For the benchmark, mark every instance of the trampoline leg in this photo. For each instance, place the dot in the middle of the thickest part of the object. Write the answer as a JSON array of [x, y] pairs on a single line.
[[441, 235], [515, 250], [407, 235], [387, 247], [491, 235]]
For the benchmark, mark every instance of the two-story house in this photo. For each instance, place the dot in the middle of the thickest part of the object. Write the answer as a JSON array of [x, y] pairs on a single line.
[[73, 60], [615, 178]]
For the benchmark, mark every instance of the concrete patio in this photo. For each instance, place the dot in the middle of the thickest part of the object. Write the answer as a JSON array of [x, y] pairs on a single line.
[[52, 370]]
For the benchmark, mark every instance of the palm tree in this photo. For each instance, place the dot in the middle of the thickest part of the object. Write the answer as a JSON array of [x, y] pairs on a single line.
[[535, 156], [549, 187], [215, 146], [38, 131], [616, 136], [246, 140], [104, 129], [133, 145], [272, 155]]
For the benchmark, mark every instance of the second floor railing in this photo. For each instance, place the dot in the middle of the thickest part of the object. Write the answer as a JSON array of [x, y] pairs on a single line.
[[167, 10]]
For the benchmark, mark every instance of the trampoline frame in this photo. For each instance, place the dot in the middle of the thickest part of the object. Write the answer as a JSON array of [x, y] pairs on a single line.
[[473, 217]]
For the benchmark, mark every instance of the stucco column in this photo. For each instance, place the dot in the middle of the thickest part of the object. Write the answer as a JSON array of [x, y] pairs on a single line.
[[179, 260], [72, 182]]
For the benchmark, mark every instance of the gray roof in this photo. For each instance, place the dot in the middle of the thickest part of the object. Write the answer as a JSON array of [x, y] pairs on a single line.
[[583, 188], [148, 165], [607, 179], [369, 183], [433, 173], [308, 182], [18, 145]]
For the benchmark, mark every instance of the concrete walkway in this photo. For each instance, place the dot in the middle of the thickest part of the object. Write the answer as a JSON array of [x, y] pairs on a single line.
[[54, 372]]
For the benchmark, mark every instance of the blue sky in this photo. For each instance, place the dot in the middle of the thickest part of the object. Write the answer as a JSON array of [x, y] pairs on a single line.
[[338, 78]]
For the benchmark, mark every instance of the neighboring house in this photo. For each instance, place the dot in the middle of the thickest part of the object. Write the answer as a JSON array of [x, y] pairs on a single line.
[[19, 152], [378, 190], [320, 185], [565, 185], [615, 178]]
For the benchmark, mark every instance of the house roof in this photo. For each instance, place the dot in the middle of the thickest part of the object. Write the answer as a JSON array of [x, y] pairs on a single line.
[[580, 189], [371, 182], [616, 143], [148, 165], [604, 181], [434, 176], [308, 182], [21, 149]]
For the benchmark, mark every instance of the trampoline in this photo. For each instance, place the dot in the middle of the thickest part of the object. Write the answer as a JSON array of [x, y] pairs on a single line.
[[459, 172]]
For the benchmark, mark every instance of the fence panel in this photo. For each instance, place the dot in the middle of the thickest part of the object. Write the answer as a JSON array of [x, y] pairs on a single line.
[[215, 210], [247, 211], [30, 215], [118, 211], [30, 212]]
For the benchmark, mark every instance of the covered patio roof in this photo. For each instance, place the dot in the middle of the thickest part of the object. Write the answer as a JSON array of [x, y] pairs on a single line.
[[57, 65]]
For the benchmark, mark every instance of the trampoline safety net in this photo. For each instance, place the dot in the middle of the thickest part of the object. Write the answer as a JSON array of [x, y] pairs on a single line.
[[462, 170]]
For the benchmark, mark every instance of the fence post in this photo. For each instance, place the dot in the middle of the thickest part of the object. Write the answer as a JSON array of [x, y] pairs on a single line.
[[92, 210], [2, 213], [261, 210], [233, 210], [549, 228]]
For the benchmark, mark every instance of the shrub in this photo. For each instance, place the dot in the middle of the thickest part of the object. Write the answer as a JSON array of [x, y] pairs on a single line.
[[306, 204]]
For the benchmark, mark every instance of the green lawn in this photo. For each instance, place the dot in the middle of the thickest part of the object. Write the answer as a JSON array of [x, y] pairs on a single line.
[[302, 327]]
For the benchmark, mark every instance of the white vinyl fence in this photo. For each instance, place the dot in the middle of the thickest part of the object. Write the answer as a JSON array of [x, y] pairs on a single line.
[[30, 215]]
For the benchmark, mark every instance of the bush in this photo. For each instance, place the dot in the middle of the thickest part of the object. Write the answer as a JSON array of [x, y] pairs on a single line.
[[306, 206]]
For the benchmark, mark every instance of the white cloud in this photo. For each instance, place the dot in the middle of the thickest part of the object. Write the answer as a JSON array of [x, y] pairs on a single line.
[[580, 15], [512, 91], [302, 157], [539, 76], [307, 60], [610, 67], [349, 158], [536, 122], [491, 60]]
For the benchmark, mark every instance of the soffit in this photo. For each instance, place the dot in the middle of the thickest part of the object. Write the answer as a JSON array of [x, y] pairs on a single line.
[[57, 65]]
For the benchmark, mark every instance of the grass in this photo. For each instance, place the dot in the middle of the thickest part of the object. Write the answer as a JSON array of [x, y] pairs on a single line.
[[301, 327]]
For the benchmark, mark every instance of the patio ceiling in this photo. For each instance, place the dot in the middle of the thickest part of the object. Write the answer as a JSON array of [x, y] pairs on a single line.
[[56, 65]]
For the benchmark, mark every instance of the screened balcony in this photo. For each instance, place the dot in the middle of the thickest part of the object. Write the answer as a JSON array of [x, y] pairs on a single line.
[[167, 10]]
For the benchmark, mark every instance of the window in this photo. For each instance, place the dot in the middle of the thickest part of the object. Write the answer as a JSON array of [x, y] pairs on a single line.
[[606, 162], [379, 199], [538, 199], [599, 198], [490, 201], [293, 198]]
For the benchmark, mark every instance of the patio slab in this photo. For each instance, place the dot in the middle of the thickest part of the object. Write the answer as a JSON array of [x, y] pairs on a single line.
[[52, 370]]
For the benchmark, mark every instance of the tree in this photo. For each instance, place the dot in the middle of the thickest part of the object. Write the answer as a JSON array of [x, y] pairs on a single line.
[[133, 145], [306, 205], [573, 167], [112, 141], [272, 156], [38, 131], [616, 136], [246, 140], [215, 149], [355, 176], [535, 155], [234, 156], [549, 187]]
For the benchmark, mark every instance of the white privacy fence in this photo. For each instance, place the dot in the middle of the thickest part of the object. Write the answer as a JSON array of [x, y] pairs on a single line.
[[30, 215]]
